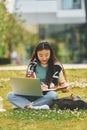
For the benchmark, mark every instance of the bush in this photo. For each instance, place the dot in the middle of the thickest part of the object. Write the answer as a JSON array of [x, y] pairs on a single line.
[[5, 61]]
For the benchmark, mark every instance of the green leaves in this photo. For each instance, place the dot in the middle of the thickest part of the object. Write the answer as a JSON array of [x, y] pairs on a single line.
[[12, 33]]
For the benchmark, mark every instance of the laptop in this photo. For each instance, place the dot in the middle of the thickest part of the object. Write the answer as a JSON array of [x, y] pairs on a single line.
[[26, 86]]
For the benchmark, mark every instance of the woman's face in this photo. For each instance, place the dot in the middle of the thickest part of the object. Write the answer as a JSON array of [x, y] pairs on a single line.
[[43, 56]]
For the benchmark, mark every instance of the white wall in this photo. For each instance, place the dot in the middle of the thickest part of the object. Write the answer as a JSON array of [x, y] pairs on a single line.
[[46, 12]]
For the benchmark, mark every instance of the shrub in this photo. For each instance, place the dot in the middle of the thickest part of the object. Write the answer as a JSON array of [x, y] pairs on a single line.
[[5, 61]]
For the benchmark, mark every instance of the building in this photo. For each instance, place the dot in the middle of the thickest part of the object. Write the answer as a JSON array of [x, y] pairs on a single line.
[[62, 19], [49, 11]]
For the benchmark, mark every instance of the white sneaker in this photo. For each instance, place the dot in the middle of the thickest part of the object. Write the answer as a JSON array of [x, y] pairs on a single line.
[[2, 110], [14, 107], [44, 107]]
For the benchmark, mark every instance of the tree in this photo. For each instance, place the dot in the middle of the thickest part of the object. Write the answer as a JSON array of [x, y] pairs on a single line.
[[12, 32]]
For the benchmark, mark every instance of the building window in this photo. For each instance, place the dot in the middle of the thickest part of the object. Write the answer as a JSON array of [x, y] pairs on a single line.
[[70, 4]]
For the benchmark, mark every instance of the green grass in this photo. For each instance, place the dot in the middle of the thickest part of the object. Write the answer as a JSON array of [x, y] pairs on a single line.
[[44, 119]]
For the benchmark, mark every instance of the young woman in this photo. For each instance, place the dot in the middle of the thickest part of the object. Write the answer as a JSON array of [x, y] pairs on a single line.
[[45, 66]]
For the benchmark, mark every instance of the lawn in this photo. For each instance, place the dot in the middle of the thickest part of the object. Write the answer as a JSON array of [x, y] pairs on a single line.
[[44, 119]]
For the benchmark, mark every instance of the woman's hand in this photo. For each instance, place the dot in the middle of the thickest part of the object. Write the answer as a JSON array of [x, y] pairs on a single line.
[[64, 87], [32, 75], [44, 87]]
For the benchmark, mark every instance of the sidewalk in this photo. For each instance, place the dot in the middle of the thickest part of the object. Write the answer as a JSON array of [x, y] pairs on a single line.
[[75, 66], [66, 66], [21, 67]]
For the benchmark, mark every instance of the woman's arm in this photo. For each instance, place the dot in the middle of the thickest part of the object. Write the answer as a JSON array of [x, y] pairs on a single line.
[[55, 88], [63, 85], [30, 70]]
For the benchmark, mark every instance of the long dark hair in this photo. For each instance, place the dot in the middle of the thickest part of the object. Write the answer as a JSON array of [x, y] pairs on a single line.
[[41, 46]]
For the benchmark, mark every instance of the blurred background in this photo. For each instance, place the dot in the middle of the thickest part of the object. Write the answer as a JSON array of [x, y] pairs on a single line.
[[23, 23]]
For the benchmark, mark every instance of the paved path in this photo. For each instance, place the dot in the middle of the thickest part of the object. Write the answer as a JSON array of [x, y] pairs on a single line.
[[22, 67], [66, 66], [75, 66]]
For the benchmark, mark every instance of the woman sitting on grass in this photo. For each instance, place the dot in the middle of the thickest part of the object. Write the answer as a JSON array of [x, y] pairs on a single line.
[[45, 66]]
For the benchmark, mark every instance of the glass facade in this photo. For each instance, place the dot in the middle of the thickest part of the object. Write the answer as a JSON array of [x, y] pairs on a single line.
[[70, 4], [68, 41]]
